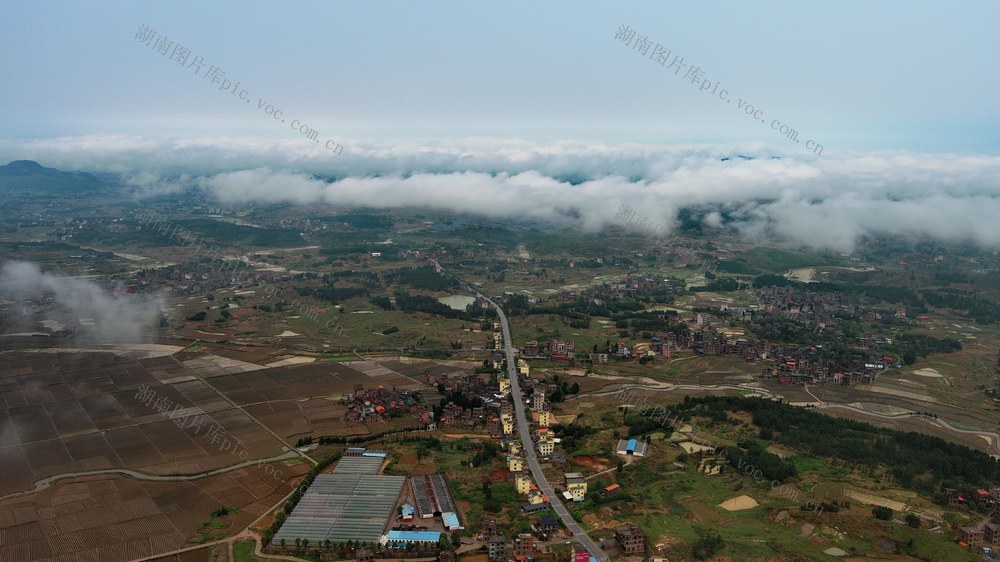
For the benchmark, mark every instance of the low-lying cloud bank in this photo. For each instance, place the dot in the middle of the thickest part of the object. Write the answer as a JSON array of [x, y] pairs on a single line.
[[98, 315], [822, 202]]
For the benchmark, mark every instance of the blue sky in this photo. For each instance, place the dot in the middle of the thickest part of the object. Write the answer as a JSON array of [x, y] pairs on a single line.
[[918, 76]]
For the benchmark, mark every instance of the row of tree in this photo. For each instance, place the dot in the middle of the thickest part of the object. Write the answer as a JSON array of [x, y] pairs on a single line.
[[917, 461]]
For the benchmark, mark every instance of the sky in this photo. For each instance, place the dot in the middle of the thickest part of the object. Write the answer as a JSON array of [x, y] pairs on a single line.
[[848, 75], [856, 118]]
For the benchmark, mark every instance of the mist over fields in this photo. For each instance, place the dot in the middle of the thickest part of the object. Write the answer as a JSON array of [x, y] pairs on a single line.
[[826, 202], [106, 316]]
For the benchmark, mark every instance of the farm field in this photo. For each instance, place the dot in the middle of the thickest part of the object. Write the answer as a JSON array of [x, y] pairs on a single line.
[[79, 423], [119, 518]]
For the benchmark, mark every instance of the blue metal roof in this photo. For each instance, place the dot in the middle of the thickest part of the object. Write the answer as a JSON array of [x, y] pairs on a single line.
[[413, 536], [631, 445], [450, 519], [379, 455]]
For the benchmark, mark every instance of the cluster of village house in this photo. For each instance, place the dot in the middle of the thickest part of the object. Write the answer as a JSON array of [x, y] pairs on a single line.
[[823, 310], [498, 412], [497, 415], [819, 309], [202, 277], [374, 405], [631, 287], [792, 363], [972, 537], [628, 538]]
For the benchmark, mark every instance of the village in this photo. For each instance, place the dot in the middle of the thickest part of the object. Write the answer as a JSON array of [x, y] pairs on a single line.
[[413, 514], [482, 402]]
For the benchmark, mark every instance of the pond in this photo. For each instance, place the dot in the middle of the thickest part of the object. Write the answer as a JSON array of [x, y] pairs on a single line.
[[457, 302]]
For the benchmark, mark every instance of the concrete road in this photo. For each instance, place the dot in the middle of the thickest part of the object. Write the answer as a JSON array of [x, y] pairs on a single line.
[[531, 455]]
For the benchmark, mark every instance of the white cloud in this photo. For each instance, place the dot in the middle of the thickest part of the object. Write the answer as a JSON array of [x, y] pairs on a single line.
[[826, 202]]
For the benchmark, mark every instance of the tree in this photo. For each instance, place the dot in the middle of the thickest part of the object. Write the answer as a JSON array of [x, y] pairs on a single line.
[[912, 520], [456, 539], [910, 356], [882, 512], [282, 543], [706, 547]]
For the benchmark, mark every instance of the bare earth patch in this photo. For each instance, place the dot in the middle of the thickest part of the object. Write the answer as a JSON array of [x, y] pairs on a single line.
[[739, 503], [590, 462]]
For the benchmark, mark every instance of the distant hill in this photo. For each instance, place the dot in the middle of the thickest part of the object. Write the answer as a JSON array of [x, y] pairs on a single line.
[[32, 176]]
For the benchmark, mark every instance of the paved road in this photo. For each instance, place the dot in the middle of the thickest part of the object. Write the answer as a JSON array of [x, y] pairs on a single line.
[[46, 482], [531, 455]]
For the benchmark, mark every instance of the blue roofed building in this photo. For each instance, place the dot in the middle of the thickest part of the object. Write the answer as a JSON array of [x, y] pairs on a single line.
[[405, 539], [451, 522], [631, 447], [406, 511]]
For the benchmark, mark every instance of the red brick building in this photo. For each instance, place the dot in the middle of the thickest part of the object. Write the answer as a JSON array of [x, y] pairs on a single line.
[[524, 546], [970, 537]]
